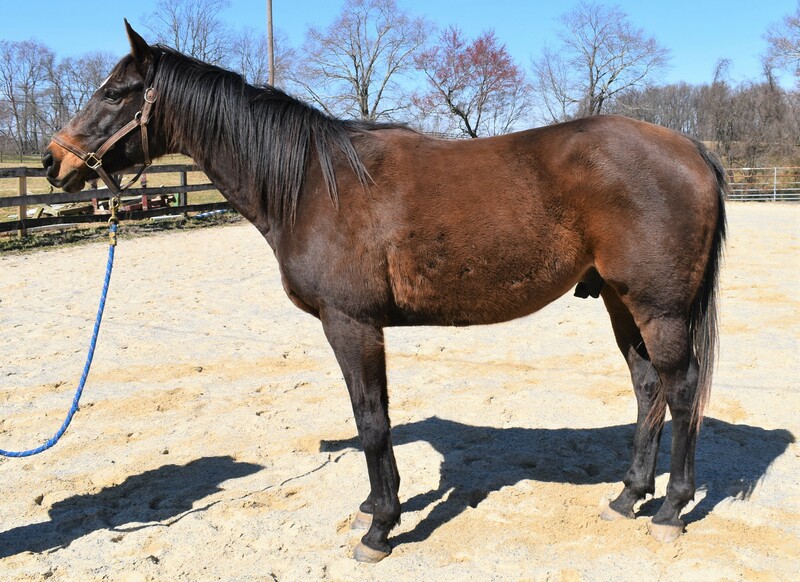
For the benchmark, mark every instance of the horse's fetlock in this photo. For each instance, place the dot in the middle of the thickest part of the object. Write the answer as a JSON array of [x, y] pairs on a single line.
[[681, 493], [643, 490], [388, 512]]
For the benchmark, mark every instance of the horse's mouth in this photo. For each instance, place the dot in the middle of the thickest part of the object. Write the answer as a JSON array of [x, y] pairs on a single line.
[[70, 183]]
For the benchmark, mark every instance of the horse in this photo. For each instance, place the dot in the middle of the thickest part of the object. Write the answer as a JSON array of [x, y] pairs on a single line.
[[377, 225]]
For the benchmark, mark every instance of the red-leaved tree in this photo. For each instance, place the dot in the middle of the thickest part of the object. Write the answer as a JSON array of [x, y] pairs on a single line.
[[476, 84]]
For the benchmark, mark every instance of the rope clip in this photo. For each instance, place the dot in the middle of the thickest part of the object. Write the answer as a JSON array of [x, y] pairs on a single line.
[[113, 205]]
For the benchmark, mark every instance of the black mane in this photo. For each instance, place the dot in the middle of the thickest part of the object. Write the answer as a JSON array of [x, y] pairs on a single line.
[[266, 133]]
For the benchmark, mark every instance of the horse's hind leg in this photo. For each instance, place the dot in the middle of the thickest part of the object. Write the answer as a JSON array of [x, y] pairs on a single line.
[[359, 350], [640, 478], [669, 345]]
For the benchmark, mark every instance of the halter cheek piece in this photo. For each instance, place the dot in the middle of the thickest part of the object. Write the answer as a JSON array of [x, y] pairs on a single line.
[[94, 160]]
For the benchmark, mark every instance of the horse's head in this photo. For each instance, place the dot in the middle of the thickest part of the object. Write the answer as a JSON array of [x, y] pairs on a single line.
[[110, 133]]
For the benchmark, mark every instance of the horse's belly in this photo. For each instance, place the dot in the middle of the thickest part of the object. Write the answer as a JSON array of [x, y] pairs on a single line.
[[469, 290]]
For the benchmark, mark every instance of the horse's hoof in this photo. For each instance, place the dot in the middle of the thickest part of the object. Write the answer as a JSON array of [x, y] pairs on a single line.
[[665, 533], [610, 514], [361, 520], [363, 553]]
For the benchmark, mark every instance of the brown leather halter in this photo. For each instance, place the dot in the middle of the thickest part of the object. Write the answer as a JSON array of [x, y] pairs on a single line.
[[94, 160]]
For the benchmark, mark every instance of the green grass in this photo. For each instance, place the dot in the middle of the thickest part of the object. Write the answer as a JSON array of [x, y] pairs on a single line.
[[10, 186], [15, 160]]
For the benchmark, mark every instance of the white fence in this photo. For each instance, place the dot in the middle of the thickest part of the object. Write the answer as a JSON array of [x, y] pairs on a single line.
[[764, 184]]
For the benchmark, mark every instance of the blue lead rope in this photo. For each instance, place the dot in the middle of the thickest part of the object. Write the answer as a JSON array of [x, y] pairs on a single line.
[[74, 408]]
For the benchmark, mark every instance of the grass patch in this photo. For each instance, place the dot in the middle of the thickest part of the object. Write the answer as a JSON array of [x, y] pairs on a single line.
[[15, 161]]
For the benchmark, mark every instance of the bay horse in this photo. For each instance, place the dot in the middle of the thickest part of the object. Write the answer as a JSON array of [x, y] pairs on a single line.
[[377, 225]]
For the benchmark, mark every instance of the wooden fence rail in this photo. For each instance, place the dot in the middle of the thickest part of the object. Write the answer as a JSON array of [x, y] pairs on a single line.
[[24, 200]]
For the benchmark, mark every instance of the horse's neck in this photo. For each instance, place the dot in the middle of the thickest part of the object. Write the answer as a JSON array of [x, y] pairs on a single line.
[[230, 184]]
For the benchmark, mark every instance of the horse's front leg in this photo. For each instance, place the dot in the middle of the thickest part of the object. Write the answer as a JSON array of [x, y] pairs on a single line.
[[359, 350]]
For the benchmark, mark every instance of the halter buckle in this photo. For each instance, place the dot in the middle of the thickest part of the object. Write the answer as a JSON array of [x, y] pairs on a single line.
[[92, 161], [150, 95]]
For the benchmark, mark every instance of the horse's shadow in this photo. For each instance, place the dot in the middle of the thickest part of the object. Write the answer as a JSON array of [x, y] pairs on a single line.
[[477, 460], [731, 460], [160, 495]]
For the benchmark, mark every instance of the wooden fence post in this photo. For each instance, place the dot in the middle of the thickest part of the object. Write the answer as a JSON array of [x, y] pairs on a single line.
[[23, 208], [182, 193]]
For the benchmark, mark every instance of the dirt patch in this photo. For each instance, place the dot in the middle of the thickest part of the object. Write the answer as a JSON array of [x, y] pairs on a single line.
[[216, 440]]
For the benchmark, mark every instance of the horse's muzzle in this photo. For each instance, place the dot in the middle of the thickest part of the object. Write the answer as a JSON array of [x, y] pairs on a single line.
[[49, 165], [52, 169], [47, 160]]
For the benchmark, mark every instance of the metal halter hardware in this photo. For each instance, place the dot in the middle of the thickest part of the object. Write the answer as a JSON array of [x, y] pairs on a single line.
[[94, 160]]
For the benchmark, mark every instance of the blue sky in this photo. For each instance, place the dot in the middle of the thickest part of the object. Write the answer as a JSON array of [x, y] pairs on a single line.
[[698, 32]]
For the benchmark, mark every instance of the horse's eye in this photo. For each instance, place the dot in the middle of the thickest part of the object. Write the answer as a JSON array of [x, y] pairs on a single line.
[[112, 96]]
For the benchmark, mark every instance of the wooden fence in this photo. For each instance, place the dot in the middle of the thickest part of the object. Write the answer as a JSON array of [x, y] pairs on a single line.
[[98, 197]]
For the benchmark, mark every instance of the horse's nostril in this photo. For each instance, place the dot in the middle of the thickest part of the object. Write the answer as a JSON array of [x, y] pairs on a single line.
[[47, 160]]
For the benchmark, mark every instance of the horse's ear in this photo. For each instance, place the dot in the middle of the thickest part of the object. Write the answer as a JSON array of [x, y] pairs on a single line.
[[140, 50]]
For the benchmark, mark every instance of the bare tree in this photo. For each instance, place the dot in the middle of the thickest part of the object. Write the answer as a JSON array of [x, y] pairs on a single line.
[[7, 141], [354, 66], [601, 54], [784, 43], [24, 68], [716, 119], [270, 45], [765, 131], [193, 27], [674, 106], [478, 84], [249, 55], [751, 124], [71, 83]]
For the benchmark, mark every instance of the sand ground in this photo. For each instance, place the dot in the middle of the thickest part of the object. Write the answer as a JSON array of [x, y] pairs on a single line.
[[215, 440]]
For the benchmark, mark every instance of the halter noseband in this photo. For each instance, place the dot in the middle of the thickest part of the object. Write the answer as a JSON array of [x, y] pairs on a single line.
[[94, 160]]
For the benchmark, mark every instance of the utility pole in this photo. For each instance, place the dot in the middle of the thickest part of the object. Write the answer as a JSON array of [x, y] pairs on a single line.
[[271, 43]]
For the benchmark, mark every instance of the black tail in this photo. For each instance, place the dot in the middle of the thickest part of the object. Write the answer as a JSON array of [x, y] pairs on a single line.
[[704, 322]]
